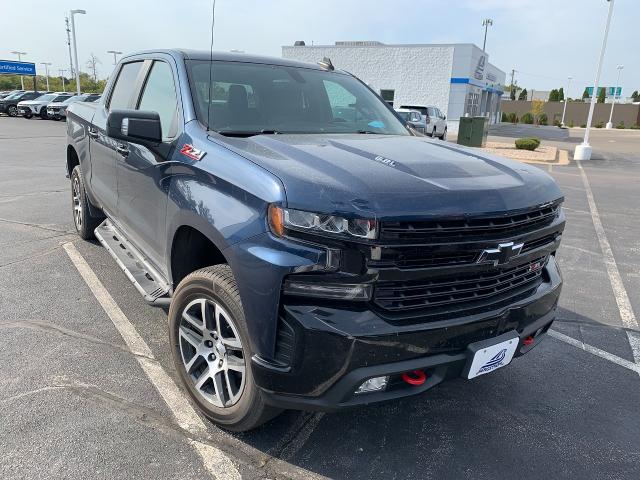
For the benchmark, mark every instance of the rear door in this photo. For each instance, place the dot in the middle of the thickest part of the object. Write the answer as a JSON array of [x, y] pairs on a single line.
[[104, 149], [142, 179]]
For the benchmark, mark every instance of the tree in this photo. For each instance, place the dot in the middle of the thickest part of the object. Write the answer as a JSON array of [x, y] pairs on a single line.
[[523, 94], [513, 89], [561, 95], [537, 108], [635, 96], [553, 95], [601, 95], [92, 64]]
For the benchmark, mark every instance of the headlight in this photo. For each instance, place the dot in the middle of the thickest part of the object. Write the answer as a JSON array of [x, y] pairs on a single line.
[[283, 219]]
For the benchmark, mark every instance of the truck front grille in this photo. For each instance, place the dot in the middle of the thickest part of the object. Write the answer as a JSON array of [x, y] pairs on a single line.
[[459, 291], [467, 228]]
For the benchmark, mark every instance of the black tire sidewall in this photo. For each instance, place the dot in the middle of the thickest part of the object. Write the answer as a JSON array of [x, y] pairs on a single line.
[[88, 222], [190, 289]]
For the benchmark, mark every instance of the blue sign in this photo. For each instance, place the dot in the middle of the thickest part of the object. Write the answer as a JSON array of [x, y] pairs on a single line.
[[8, 67], [609, 91]]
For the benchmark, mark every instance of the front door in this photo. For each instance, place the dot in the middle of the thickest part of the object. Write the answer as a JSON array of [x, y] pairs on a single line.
[[103, 149], [141, 171]]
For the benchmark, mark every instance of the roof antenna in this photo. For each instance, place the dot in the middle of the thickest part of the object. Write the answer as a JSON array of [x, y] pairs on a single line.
[[213, 24], [326, 64]]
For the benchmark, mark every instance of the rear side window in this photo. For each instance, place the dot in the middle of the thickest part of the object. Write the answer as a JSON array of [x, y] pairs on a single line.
[[125, 84], [159, 95]]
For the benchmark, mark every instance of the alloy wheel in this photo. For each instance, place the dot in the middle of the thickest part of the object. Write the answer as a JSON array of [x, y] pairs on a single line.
[[13, 111], [77, 204], [212, 352]]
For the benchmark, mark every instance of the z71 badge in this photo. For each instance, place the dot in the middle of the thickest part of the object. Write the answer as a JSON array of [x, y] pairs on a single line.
[[192, 152]]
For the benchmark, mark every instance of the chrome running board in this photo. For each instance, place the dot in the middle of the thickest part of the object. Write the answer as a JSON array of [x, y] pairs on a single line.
[[149, 282]]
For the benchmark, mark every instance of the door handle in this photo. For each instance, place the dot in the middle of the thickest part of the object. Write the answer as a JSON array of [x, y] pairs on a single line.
[[93, 133], [122, 149]]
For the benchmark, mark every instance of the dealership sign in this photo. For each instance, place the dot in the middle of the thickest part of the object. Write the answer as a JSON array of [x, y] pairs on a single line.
[[9, 67], [609, 91]]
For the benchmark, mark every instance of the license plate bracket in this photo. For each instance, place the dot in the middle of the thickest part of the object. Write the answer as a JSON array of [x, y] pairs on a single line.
[[489, 355]]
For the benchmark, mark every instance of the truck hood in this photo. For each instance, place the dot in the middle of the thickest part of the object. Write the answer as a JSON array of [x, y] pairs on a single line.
[[386, 176]]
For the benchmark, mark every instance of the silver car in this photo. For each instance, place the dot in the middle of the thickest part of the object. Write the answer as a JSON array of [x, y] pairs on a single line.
[[58, 110], [434, 121]]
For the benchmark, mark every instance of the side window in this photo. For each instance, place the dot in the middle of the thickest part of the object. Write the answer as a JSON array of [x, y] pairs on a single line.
[[123, 89], [432, 112], [159, 95], [388, 96]]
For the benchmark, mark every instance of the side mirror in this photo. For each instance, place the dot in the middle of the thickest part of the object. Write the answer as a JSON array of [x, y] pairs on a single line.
[[444, 117], [136, 126]]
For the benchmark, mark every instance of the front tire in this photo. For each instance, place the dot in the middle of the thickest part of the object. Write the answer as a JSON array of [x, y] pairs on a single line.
[[43, 113], [433, 132], [211, 350], [85, 224], [444, 134], [12, 111]]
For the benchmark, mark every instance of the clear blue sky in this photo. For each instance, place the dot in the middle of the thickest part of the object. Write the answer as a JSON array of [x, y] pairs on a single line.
[[544, 40]]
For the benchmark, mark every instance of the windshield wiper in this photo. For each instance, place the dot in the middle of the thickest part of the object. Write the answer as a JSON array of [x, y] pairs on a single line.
[[246, 133], [369, 132]]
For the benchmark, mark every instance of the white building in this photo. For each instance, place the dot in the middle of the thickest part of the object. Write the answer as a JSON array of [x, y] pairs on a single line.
[[456, 78]]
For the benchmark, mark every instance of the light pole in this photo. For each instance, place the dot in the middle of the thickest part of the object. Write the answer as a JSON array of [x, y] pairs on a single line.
[[564, 108], [583, 151], [20, 59], [615, 89], [486, 23], [75, 46], [115, 53], [46, 72], [61, 71]]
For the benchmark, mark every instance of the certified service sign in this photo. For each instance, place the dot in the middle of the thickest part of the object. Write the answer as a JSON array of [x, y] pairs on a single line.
[[17, 68]]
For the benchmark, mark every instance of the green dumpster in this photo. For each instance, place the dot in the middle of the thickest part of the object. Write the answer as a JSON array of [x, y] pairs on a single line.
[[473, 131]]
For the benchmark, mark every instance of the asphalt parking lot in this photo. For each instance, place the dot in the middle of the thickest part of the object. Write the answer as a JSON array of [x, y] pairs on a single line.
[[76, 402]]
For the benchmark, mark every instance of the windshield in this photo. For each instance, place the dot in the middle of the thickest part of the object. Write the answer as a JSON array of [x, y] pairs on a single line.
[[403, 115], [75, 98], [249, 98], [61, 98], [46, 98], [13, 95]]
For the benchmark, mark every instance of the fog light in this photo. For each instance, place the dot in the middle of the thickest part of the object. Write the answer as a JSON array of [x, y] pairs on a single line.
[[329, 290], [374, 384]]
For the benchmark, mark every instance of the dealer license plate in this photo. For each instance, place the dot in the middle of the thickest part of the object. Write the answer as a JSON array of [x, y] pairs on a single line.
[[488, 358]]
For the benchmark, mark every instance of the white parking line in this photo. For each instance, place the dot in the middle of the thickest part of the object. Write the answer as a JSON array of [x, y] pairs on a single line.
[[214, 460], [627, 315], [634, 367]]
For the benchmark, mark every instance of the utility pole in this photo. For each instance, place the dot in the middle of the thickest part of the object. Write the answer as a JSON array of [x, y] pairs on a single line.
[[46, 72], [615, 89], [115, 53], [66, 21], [512, 94], [75, 46], [61, 71], [20, 59], [583, 151], [92, 64], [486, 23], [564, 108]]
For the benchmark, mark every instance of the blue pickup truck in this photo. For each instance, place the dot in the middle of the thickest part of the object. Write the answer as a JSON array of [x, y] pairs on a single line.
[[314, 252]]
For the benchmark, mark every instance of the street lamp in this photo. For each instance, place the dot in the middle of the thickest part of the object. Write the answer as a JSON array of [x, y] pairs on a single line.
[[583, 151], [20, 59], [61, 71], [75, 46], [615, 89], [115, 53], [486, 23], [566, 96], [46, 70]]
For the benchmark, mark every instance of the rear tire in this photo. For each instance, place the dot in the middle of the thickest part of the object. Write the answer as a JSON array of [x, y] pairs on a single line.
[[12, 111], [433, 132], [444, 134], [211, 350], [85, 224]]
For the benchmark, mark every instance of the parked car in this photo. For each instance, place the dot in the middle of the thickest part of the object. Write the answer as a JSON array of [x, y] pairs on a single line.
[[9, 104], [7, 93], [38, 106], [413, 118], [57, 110], [434, 121], [309, 261]]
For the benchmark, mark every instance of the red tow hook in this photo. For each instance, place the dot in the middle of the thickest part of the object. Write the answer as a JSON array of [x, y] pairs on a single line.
[[415, 377], [528, 341]]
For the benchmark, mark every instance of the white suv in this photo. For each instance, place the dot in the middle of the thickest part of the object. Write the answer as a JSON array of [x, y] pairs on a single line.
[[435, 122], [29, 108]]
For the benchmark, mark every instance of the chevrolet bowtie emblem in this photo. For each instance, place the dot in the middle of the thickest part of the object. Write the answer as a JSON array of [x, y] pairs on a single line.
[[500, 255]]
